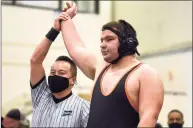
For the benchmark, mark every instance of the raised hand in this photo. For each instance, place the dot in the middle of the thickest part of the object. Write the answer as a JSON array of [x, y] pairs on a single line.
[[71, 9], [57, 21]]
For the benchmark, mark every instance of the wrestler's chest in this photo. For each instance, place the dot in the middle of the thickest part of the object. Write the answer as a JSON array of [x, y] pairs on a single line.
[[111, 80]]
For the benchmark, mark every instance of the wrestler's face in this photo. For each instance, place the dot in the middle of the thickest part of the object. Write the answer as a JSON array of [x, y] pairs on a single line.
[[109, 45]]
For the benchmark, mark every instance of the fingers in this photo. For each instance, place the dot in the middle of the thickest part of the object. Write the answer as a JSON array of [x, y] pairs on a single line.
[[61, 18], [68, 4], [73, 5], [64, 14], [76, 8], [65, 9]]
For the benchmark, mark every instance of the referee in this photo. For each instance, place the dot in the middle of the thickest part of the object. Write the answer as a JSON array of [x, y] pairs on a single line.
[[54, 104]]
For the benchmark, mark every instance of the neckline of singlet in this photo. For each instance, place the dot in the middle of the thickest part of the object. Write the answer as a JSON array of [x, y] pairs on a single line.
[[105, 70]]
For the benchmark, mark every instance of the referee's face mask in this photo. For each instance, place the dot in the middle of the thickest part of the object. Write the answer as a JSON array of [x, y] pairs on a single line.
[[60, 77], [58, 83]]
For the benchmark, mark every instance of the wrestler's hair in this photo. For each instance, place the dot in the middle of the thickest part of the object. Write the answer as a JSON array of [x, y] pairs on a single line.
[[117, 25], [175, 110]]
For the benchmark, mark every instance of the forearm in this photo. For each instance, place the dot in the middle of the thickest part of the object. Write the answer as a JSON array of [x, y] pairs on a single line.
[[147, 121], [71, 37], [82, 56], [41, 51]]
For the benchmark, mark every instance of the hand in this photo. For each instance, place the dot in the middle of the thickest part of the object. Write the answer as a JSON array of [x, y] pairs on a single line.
[[57, 21], [71, 9]]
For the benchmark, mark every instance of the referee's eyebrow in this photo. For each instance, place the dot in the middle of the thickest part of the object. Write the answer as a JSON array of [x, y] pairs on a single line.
[[52, 69], [62, 70]]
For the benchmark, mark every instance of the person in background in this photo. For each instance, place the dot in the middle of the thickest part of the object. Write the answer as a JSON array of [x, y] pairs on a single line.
[[175, 119], [158, 125], [14, 119]]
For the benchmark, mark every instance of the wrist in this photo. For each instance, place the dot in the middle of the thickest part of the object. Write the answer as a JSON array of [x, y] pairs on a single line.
[[52, 34], [57, 29], [67, 18], [66, 21]]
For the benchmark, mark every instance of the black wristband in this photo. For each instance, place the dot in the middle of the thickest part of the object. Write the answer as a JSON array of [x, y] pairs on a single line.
[[52, 34]]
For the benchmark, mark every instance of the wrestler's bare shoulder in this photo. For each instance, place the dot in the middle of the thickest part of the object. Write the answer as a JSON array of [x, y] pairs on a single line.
[[146, 69], [149, 77], [143, 72], [101, 64]]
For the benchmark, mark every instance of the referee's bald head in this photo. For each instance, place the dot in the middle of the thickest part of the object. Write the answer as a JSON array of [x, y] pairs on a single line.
[[71, 62]]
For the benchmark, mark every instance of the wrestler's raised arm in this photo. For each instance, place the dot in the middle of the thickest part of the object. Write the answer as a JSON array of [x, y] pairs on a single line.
[[81, 55]]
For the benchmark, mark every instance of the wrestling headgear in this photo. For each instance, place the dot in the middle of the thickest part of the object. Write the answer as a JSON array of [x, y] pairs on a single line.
[[127, 38]]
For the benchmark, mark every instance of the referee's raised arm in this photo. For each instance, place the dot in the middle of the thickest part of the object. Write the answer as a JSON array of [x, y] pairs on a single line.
[[54, 103], [40, 52], [37, 72], [36, 67]]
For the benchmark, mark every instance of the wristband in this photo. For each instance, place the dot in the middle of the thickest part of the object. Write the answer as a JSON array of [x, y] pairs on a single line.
[[52, 34]]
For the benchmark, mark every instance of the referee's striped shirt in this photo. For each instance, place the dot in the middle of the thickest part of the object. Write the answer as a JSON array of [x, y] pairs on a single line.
[[71, 112]]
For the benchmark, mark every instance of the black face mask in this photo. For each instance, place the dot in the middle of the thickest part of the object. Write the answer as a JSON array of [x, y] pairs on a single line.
[[58, 83], [175, 125]]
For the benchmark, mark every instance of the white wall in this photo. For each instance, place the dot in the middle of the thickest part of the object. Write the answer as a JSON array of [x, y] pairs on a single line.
[[162, 25], [24, 28], [159, 24], [180, 64]]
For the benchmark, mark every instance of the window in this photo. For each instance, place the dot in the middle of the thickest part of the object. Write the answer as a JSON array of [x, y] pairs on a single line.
[[83, 6], [47, 4], [6, 2]]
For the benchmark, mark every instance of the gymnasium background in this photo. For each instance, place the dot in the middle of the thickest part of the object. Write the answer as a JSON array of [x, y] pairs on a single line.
[[164, 30]]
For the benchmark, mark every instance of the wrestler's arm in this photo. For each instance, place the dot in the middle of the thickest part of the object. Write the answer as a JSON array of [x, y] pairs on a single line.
[[151, 96], [81, 55]]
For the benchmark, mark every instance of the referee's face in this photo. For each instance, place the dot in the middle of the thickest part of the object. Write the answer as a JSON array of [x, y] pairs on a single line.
[[63, 69]]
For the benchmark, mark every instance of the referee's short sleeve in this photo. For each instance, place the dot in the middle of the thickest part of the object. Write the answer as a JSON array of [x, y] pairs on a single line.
[[85, 109], [39, 91]]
